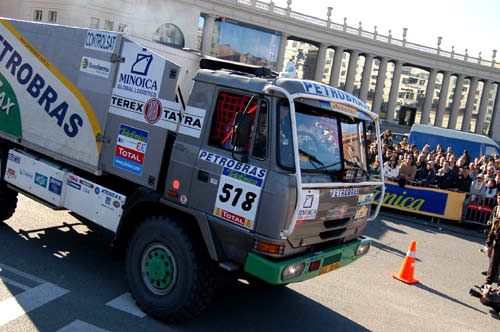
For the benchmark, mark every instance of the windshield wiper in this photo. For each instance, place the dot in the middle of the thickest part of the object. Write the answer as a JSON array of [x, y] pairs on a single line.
[[312, 158]]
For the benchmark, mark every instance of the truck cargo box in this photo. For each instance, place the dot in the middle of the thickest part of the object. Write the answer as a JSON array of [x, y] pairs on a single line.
[[92, 99]]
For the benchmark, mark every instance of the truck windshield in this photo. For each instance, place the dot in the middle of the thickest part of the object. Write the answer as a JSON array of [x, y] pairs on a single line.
[[328, 142]]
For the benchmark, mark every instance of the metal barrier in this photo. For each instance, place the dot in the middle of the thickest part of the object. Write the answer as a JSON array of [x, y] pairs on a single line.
[[477, 209]]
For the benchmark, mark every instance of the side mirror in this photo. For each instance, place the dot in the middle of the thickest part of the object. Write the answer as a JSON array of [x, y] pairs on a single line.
[[242, 130]]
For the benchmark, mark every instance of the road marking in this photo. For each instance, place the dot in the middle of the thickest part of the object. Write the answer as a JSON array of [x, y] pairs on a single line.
[[14, 307], [80, 326], [126, 303]]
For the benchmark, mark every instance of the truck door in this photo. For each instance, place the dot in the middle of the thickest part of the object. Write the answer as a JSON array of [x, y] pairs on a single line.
[[223, 185]]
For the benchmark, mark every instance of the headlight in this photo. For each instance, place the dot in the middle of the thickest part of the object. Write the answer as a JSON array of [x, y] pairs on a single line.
[[363, 248], [292, 271]]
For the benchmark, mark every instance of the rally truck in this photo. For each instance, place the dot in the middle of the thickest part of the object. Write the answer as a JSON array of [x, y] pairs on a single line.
[[252, 173]]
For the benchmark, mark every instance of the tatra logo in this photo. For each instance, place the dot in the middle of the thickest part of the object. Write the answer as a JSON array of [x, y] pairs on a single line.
[[152, 111], [141, 64]]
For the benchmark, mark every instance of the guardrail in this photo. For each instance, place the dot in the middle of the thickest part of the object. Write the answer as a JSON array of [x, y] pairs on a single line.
[[328, 24]]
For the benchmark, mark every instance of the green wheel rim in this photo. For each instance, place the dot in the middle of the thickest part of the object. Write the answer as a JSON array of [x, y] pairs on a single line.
[[158, 269]]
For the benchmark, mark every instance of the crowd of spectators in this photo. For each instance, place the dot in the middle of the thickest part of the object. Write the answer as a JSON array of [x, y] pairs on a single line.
[[436, 167]]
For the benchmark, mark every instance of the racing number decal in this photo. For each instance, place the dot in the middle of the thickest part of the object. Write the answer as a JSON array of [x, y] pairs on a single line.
[[226, 196], [238, 197]]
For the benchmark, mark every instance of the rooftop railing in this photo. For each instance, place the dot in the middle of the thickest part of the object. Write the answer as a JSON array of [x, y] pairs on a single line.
[[374, 35]]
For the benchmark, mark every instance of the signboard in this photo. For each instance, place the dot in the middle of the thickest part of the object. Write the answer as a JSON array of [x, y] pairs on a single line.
[[422, 200]]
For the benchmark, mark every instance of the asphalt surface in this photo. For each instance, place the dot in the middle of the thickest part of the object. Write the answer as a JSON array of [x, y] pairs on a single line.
[[56, 274]]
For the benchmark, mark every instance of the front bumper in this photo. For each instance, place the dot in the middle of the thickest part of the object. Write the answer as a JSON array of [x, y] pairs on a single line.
[[329, 260]]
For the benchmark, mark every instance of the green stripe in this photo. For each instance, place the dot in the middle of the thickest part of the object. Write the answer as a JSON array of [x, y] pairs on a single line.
[[10, 116]]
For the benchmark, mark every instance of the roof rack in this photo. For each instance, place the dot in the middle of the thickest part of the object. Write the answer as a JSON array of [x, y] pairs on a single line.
[[218, 64]]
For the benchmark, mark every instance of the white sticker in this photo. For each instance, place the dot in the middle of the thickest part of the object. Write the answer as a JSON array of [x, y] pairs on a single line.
[[140, 76], [238, 197], [100, 41], [95, 67], [365, 199], [309, 206], [160, 112]]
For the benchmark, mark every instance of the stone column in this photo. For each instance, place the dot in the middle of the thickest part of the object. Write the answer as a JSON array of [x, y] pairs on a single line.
[[208, 33], [429, 97], [320, 63], [281, 52], [393, 94], [367, 73], [483, 105], [494, 131], [470, 104], [443, 98], [351, 71], [337, 62], [455, 105], [379, 88]]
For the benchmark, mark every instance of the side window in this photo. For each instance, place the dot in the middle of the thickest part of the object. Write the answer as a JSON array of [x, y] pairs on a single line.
[[227, 106]]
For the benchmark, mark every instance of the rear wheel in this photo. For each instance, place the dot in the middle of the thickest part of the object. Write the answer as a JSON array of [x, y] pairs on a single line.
[[170, 275], [8, 197]]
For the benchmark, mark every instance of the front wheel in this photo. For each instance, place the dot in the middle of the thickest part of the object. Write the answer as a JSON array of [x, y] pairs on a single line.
[[170, 275]]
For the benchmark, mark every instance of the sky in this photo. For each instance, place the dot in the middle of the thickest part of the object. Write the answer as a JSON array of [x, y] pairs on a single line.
[[472, 24]]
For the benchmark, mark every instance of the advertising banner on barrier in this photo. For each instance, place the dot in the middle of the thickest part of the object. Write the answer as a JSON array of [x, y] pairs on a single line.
[[422, 200]]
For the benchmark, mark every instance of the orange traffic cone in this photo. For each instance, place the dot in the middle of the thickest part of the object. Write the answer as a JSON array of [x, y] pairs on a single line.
[[408, 267]]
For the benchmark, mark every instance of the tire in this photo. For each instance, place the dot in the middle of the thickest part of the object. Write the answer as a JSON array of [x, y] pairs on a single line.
[[8, 202], [170, 275], [8, 197]]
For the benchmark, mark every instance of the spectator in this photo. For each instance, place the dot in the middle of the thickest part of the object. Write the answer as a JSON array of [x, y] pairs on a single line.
[[431, 174], [421, 168], [439, 149], [490, 173], [445, 178], [472, 171], [404, 143], [372, 153], [497, 181], [464, 181], [407, 170], [478, 187], [391, 169], [387, 137], [465, 156], [375, 166], [493, 245], [490, 192]]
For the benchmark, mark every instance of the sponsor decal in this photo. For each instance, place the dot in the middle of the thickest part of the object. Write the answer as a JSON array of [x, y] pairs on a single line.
[[26, 173], [130, 149], [238, 196], [365, 199], [331, 92], [52, 106], [55, 186], [344, 192], [190, 122], [86, 183], [100, 41], [14, 158], [309, 205], [246, 169], [152, 111], [74, 184], [183, 199], [339, 212], [10, 116], [362, 213], [95, 67], [413, 199], [140, 76], [11, 174], [41, 180]]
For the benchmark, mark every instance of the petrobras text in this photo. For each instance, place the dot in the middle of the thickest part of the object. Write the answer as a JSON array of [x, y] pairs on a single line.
[[37, 87], [328, 91], [233, 164]]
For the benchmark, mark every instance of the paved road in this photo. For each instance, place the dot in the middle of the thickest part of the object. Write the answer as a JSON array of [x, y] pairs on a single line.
[[58, 275]]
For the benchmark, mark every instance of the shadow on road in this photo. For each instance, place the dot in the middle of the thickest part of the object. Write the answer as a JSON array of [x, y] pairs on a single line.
[[82, 263]]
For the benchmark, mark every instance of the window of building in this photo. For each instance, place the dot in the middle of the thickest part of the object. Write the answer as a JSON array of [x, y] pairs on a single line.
[[37, 15], [95, 23], [169, 34], [108, 25], [52, 16], [122, 27], [228, 105]]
